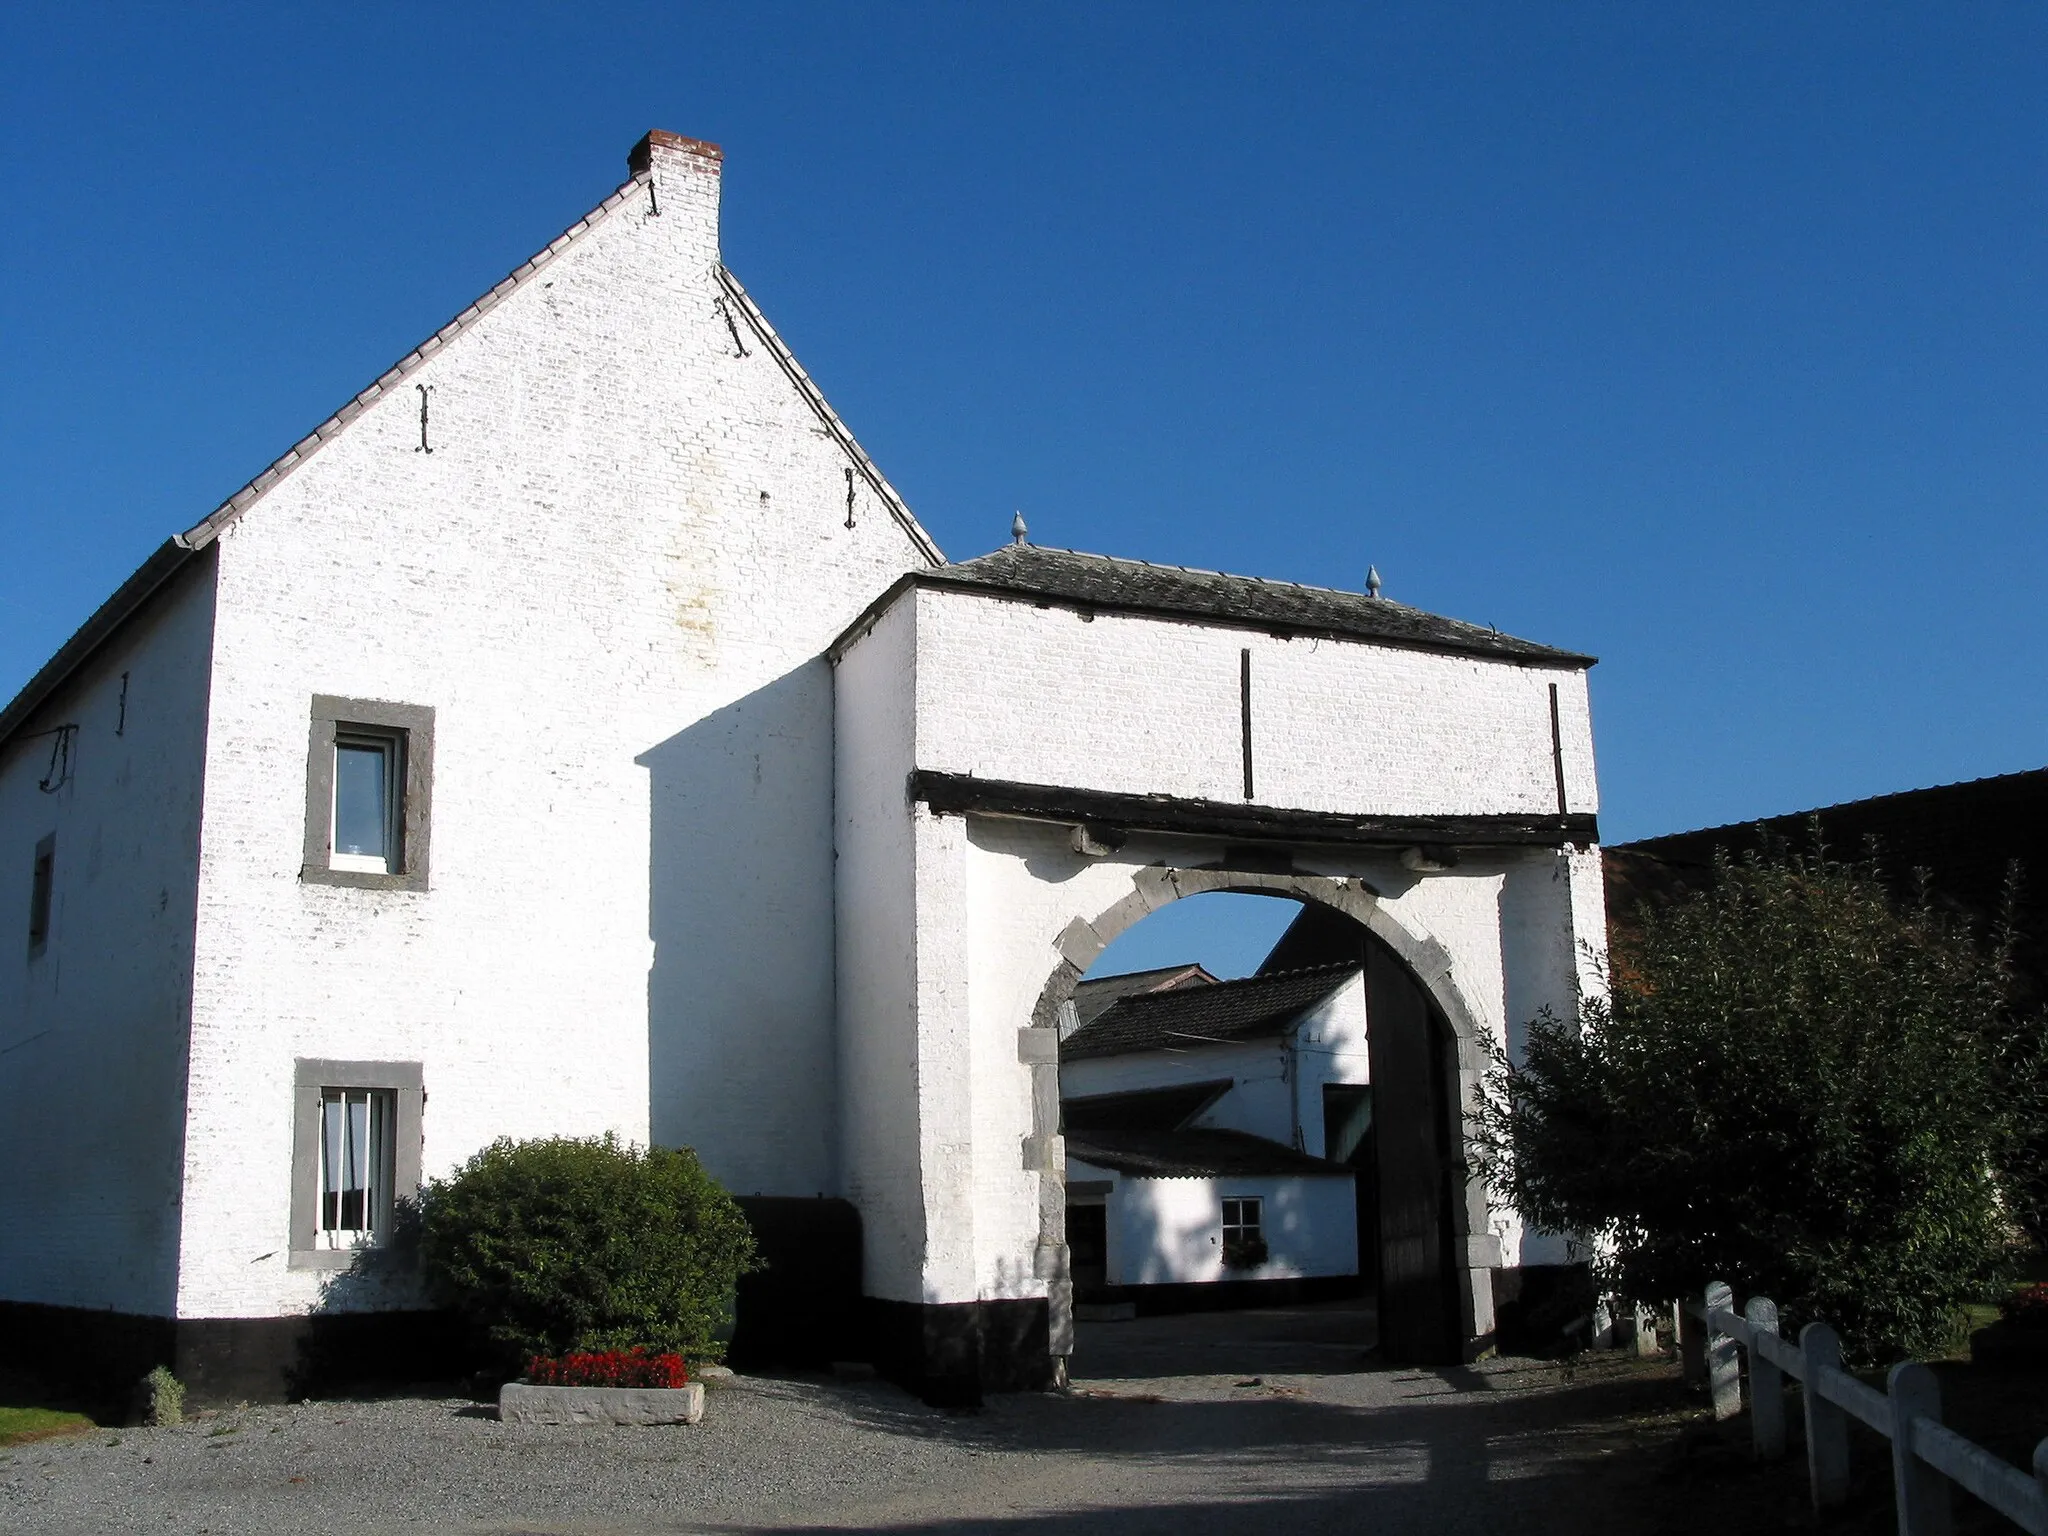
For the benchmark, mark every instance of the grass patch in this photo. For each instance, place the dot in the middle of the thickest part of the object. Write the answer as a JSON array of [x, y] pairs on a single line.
[[18, 1426]]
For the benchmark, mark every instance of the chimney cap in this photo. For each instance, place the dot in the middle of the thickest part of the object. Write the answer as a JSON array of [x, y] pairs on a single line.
[[642, 154]]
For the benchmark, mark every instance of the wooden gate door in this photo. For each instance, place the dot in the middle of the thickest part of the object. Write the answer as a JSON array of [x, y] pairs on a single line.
[[1419, 1311]]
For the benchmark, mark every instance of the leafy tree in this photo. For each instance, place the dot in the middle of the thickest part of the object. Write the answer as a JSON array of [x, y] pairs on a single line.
[[1797, 1085], [585, 1244]]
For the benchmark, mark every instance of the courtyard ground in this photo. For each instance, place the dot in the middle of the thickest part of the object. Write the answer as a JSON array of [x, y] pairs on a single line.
[[1259, 1422]]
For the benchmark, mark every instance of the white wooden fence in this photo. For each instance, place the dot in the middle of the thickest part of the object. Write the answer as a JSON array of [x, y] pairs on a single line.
[[1926, 1455]]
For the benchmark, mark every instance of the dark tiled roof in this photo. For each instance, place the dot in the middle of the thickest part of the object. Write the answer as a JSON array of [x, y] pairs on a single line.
[[1144, 1109], [1195, 1154], [1101, 581], [1964, 835], [1224, 1012], [1097, 993]]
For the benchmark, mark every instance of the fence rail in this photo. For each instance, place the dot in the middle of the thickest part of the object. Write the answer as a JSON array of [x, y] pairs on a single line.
[[1927, 1456]]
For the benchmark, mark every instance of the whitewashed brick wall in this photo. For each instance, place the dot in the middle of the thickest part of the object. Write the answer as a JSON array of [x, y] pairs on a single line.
[[1133, 706], [1009, 690], [612, 578], [92, 1032]]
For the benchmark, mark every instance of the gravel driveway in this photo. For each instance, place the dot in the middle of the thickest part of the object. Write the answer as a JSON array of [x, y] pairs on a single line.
[[1253, 1423]]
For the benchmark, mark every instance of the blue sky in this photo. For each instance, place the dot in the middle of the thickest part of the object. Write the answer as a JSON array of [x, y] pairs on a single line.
[[1706, 339]]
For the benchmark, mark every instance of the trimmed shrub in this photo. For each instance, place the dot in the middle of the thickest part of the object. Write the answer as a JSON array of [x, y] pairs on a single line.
[[568, 1245], [1799, 1086]]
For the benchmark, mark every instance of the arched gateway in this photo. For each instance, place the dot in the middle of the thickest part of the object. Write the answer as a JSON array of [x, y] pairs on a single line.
[[1037, 749]]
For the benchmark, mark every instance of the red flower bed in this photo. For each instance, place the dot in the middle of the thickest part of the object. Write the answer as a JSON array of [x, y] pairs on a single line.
[[610, 1368], [2027, 1306]]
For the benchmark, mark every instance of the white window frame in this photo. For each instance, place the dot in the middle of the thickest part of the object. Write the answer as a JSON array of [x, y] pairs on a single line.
[[392, 745], [1256, 1227]]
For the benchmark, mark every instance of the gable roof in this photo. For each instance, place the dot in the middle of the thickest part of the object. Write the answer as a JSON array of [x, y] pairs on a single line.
[[1196, 1154], [1220, 1014], [175, 552], [1098, 992], [1107, 583]]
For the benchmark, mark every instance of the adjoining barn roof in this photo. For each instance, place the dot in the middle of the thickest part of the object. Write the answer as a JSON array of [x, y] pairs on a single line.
[[1965, 836], [1196, 1154], [1135, 586], [1095, 994], [1219, 1014]]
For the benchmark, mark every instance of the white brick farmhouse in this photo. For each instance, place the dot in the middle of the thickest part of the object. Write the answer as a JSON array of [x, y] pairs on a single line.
[[577, 733]]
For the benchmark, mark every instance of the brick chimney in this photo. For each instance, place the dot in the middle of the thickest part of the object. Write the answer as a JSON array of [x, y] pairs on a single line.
[[683, 178]]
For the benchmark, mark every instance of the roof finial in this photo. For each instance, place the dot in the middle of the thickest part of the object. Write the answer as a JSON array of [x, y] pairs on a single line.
[[1017, 529], [1372, 581]]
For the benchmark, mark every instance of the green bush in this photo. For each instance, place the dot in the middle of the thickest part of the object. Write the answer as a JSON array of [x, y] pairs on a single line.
[[564, 1244], [161, 1397], [1798, 1086]]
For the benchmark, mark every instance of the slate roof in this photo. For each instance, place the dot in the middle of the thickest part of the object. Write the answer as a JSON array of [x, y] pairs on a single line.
[[1136, 586], [1195, 1154], [1097, 993], [1222, 1013], [1141, 1109], [1964, 835]]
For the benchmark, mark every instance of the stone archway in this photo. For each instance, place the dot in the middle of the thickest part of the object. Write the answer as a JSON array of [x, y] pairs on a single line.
[[1461, 1298]]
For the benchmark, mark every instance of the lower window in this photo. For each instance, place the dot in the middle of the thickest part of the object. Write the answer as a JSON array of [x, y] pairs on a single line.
[[356, 1145], [355, 1155]]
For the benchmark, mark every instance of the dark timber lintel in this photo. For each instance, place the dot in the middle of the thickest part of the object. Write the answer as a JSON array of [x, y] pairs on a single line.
[[956, 793]]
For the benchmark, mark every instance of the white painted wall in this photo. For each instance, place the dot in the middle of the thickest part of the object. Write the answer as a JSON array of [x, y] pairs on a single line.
[[613, 579], [1170, 1231], [93, 1032], [1151, 706], [1013, 691]]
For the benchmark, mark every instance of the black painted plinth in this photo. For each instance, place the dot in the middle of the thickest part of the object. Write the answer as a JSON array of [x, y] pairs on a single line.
[[1543, 1309], [96, 1358], [803, 1306], [952, 1353]]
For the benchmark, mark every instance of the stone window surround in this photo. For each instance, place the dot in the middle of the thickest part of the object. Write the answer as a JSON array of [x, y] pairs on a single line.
[[415, 723], [406, 1083]]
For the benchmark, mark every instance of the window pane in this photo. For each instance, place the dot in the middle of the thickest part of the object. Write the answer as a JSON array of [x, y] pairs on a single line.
[[361, 797]]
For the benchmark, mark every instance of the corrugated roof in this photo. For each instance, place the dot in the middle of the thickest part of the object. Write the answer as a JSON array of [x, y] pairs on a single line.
[[1098, 992], [1221, 1013], [1103, 581], [1196, 1154]]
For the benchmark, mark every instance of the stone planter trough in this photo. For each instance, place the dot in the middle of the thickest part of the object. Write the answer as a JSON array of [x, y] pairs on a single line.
[[519, 1403]]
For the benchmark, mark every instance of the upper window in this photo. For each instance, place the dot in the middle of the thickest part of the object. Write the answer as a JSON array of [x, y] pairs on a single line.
[[42, 886], [368, 770], [369, 777]]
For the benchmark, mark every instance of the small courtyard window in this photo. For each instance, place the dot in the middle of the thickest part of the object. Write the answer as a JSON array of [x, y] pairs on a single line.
[[356, 1173], [1244, 1236], [42, 885], [369, 779], [355, 1155]]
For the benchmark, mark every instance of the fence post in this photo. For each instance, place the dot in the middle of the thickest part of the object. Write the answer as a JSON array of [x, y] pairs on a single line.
[[1827, 1426], [1692, 1344], [1766, 1384], [1724, 1363], [1920, 1491]]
